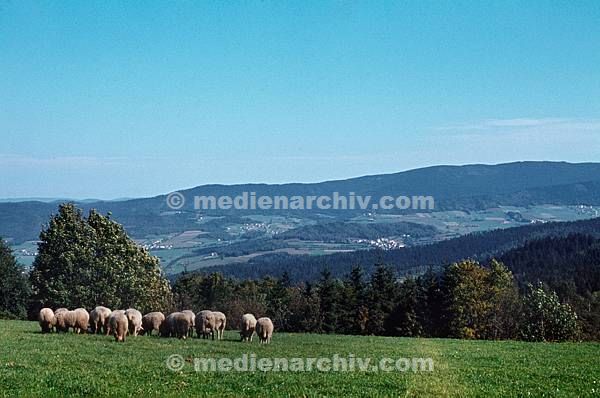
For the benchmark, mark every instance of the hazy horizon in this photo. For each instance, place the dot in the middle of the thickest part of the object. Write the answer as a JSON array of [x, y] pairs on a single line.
[[120, 198]]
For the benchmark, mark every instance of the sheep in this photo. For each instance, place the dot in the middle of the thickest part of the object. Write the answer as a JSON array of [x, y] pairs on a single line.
[[247, 327], [119, 325], [181, 325], [152, 321], [135, 321], [264, 329], [60, 321], [192, 320], [77, 319], [113, 314], [99, 320], [205, 324], [81, 320], [220, 322], [165, 327], [176, 324], [63, 319], [46, 320]]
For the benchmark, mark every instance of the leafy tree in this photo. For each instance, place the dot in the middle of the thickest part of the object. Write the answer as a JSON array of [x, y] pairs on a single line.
[[14, 287], [467, 309], [504, 301], [84, 262], [545, 318], [482, 301], [245, 297]]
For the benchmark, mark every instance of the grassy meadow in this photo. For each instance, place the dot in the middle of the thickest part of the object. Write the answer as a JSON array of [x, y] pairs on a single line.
[[33, 364]]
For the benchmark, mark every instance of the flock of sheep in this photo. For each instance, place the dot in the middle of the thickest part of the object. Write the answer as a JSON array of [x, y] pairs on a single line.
[[119, 323]]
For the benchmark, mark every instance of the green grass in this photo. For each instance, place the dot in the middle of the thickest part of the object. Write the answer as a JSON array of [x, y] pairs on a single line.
[[32, 364]]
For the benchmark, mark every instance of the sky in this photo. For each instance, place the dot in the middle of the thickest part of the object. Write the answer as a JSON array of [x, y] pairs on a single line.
[[126, 99]]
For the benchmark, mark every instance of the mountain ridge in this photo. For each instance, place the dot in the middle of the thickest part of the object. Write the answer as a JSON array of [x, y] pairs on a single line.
[[465, 187]]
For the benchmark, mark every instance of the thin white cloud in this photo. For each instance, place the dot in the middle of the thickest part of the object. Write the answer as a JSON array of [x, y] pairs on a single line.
[[17, 160], [522, 125], [60, 161]]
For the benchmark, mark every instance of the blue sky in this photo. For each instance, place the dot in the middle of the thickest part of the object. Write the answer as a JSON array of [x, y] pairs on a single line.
[[120, 99]]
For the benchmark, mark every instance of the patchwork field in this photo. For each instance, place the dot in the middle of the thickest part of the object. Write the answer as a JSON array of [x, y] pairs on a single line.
[[211, 243], [32, 364]]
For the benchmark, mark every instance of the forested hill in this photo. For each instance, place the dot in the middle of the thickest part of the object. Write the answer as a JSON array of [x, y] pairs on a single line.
[[338, 231], [415, 259], [469, 187], [567, 264]]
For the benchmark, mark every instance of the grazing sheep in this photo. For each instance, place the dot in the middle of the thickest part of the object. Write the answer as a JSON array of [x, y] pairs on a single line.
[[176, 325], [205, 324], [46, 320], [165, 327], [65, 319], [152, 321], [113, 314], [99, 320], [119, 325], [192, 320], [57, 316], [247, 327], [264, 330], [81, 320], [220, 322], [181, 325], [60, 310], [135, 321]]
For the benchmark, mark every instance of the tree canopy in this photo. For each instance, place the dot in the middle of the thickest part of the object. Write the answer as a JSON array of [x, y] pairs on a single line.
[[89, 261]]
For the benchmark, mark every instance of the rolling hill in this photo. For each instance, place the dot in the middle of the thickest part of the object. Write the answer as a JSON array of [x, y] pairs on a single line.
[[411, 260], [470, 187]]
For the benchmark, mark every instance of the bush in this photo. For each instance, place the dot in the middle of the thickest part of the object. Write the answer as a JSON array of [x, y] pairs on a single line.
[[545, 318]]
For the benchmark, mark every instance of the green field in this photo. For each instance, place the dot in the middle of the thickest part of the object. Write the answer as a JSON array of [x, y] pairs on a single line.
[[32, 364]]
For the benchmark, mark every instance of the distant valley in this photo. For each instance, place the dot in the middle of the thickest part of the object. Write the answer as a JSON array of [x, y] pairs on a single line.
[[468, 199]]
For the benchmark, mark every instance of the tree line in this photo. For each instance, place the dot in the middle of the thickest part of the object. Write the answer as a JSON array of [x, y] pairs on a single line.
[[84, 261], [466, 300]]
